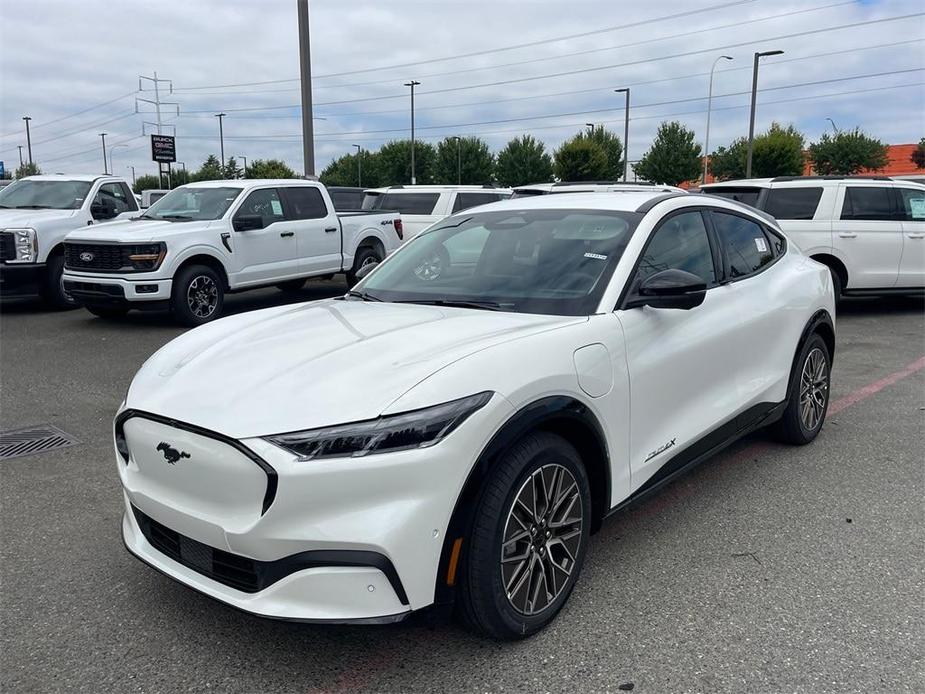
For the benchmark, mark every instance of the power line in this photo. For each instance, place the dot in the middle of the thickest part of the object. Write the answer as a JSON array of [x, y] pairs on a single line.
[[76, 113]]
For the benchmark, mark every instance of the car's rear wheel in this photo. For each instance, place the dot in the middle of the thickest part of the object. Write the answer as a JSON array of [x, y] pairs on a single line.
[[198, 295], [529, 538], [809, 394], [365, 256]]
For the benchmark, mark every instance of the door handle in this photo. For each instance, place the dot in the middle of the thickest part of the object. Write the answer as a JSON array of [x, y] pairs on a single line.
[[287, 233], [330, 230], [916, 235], [847, 235]]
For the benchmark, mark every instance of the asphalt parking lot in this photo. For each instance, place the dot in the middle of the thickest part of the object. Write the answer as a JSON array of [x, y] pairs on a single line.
[[767, 569]]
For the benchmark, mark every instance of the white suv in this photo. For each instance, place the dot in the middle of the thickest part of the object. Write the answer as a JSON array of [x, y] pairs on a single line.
[[421, 206], [869, 231], [592, 187]]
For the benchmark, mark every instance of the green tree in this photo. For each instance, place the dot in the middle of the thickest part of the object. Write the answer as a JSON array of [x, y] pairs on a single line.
[[28, 170], [523, 160], [846, 153], [230, 169], [918, 155], [343, 171], [395, 162], [178, 177], [211, 170], [673, 158], [612, 145], [776, 152], [269, 168], [580, 159], [727, 163], [146, 182], [466, 161]]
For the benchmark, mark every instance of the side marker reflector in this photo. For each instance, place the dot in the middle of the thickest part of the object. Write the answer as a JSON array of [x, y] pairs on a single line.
[[454, 562]]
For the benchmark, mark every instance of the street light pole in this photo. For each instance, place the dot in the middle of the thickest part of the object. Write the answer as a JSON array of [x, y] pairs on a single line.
[[244, 159], [458, 161], [28, 137], [412, 84], [114, 147], [133, 174], [626, 135], [305, 72], [590, 129], [20, 156], [751, 118], [359, 167], [183, 164], [706, 139], [103, 138], [834, 127], [221, 139]]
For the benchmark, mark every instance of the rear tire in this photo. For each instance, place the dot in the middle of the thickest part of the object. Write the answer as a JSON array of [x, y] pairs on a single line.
[[291, 285], [108, 312], [52, 290], [809, 394], [198, 295], [364, 256], [525, 554]]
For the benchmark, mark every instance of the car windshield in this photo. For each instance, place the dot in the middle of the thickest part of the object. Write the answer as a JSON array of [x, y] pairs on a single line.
[[185, 204], [29, 194], [554, 262]]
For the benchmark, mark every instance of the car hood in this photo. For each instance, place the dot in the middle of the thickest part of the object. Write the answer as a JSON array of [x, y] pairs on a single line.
[[11, 219], [135, 231], [315, 364]]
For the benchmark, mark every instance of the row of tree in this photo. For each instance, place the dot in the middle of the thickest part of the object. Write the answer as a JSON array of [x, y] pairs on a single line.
[[212, 170]]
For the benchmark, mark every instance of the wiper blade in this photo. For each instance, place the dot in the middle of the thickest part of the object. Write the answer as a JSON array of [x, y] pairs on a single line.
[[363, 296], [5, 207], [484, 305], [143, 216], [177, 217], [34, 207]]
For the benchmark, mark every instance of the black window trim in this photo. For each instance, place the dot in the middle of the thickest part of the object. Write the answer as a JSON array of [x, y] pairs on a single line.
[[718, 268], [727, 275]]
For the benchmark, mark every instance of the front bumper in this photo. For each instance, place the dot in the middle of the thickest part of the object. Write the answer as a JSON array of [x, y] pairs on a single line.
[[21, 280], [100, 290], [395, 506]]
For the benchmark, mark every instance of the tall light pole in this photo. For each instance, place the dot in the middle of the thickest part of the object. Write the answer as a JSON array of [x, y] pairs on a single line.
[[221, 139], [244, 159], [20, 156], [590, 129], [626, 135], [183, 164], [129, 166], [114, 147], [359, 167], [305, 70], [28, 137], [458, 161], [412, 84], [751, 118], [103, 138], [834, 127], [706, 139]]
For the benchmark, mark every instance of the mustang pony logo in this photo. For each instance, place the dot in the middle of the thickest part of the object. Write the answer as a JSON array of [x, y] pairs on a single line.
[[171, 454]]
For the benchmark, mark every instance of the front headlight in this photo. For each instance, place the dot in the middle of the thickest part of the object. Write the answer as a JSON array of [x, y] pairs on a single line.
[[26, 245], [415, 429]]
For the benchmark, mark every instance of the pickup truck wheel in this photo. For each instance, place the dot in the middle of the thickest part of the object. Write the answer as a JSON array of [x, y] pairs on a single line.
[[198, 295], [365, 256], [53, 292], [291, 285]]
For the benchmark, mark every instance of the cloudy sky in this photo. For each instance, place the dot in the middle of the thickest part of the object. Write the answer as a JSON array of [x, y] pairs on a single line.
[[492, 68]]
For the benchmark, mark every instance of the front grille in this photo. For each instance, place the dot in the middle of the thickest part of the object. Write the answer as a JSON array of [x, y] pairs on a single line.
[[7, 246], [105, 257], [224, 567]]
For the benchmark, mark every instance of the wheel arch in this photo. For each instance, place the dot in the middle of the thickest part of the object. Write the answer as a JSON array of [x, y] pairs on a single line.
[[834, 263], [820, 324], [562, 415], [370, 240], [209, 261]]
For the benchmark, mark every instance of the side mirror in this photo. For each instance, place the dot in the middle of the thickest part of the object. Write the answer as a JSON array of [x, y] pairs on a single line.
[[247, 221], [670, 289], [366, 269], [103, 209]]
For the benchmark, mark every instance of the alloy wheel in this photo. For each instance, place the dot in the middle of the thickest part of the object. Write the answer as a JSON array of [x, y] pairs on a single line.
[[202, 296], [542, 537], [814, 389]]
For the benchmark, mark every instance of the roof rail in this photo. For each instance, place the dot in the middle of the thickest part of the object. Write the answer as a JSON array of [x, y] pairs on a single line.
[[652, 202], [603, 183], [779, 179], [754, 210]]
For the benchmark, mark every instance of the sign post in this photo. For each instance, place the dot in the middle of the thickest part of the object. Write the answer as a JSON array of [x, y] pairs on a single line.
[[163, 151]]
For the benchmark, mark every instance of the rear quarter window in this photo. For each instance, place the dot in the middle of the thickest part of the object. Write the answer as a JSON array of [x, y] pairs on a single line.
[[749, 196], [793, 203], [408, 203]]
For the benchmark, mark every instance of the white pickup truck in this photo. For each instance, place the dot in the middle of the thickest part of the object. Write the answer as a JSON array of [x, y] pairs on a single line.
[[37, 212], [203, 240]]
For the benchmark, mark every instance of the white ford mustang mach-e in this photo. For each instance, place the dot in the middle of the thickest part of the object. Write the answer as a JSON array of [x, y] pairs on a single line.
[[454, 428]]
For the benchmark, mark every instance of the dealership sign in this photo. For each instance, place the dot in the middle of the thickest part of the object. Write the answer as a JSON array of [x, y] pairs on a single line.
[[163, 148]]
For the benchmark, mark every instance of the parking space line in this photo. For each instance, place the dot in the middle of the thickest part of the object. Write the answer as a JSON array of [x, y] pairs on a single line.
[[875, 387]]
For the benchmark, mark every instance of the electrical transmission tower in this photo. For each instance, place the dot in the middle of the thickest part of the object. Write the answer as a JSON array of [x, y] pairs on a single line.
[[157, 103]]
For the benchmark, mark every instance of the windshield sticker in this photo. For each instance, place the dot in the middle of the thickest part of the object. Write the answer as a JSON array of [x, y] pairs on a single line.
[[277, 208], [918, 208], [762, 245], [595, 256]]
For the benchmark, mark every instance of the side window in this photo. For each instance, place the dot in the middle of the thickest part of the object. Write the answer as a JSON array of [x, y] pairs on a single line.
[[305, 203], [116, 197], [746, 246], [408, 203], [793, 203], [264, 204], [913, 204], [778, 244], [680, 243], [466, 200], [867, 203]]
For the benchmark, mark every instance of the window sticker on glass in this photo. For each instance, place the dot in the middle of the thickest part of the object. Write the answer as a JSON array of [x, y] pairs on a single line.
[[277, 207], [595, 256], [917, 206], [762, 245]]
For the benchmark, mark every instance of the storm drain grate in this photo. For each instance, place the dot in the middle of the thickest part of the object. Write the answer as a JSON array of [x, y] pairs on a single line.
[[16, 443]]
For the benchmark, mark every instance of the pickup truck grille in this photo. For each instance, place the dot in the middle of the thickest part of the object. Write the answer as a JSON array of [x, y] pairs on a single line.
[[7, 246], [107, 257]]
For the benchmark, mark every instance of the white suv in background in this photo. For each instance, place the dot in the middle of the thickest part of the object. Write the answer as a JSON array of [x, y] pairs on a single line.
[[421, 206], [869, 231], [592, 187]]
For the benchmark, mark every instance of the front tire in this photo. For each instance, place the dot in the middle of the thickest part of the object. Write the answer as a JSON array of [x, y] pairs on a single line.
[[529, 539], [53, 293], [809, 394], [198, 295]]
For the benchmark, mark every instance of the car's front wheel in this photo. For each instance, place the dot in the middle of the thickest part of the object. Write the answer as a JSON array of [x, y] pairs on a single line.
[[809, 394], [198, 295], [53, 292], [529, 538]]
